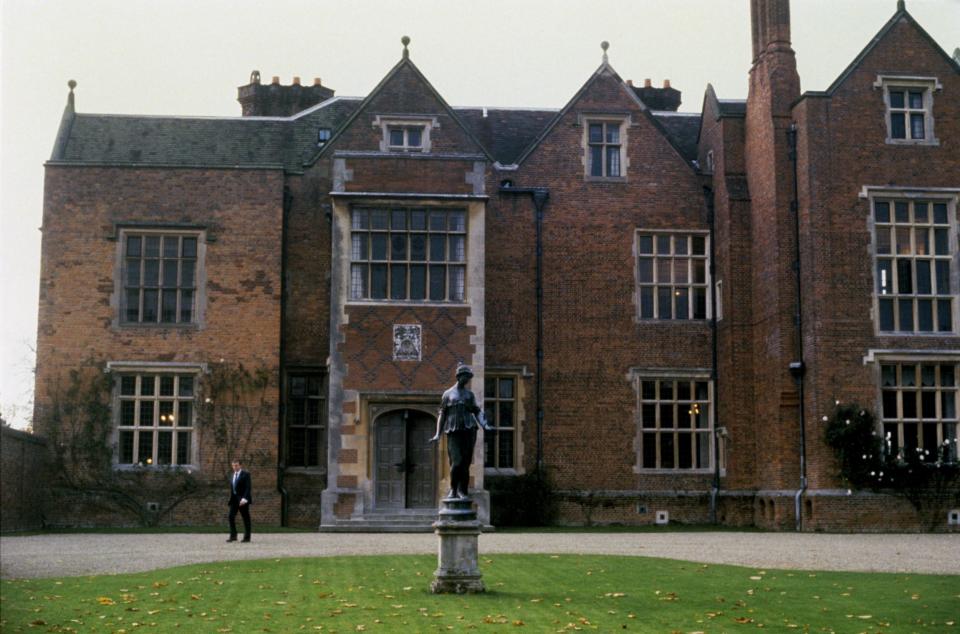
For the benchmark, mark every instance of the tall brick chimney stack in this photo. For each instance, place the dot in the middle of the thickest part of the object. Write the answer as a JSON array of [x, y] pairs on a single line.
[[277, 100], [770, 21], [774, 86]]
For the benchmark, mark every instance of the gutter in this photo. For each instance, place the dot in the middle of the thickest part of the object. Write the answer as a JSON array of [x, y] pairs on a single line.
[[798, 368], [281, 411], [539, 196]]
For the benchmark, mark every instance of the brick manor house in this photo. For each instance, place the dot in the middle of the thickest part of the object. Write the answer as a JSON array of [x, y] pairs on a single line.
[[660, 307]]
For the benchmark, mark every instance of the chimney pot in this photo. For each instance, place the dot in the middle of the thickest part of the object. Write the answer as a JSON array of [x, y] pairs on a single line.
[[647, 83], [630, 83], [316, 81], [276, 79], [666, 83], [296, 81]]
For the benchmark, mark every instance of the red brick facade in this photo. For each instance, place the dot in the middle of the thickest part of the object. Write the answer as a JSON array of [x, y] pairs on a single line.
[[654, 381]]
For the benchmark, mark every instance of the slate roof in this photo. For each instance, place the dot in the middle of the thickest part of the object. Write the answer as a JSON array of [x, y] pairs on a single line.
[[193, 141], [683, 130], [504, 132], [732, 107], [289, 142]]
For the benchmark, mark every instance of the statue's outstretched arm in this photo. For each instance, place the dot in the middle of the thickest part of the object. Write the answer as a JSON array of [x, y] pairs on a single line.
[[441, 416]]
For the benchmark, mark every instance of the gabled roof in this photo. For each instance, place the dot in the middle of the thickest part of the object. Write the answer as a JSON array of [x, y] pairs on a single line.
[[505, 132], [277, 142], [683, 130], [606, 69], [404, 63], [901, 13]]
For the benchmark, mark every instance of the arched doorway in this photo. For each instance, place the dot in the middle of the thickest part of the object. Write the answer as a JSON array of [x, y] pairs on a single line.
[[405, 471]]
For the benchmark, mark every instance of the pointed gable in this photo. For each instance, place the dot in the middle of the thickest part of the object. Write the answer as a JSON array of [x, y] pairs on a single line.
[[903, 32], [403, 100], [605, 94]]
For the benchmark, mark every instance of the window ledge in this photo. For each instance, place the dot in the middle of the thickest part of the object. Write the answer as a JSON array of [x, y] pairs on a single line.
[[155, 327], [675, 472], [188, 468], [495, 471], [311, 471], [910, 142], [605, 179], [650, 320], [924, 335], [407, 302]]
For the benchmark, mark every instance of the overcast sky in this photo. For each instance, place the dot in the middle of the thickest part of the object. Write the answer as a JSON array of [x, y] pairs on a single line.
[[187, 57]]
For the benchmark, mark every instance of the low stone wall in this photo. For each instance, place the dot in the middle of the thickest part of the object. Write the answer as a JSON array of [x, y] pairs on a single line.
[[641, 508], [23, 480], [823, 510], [207, 507]]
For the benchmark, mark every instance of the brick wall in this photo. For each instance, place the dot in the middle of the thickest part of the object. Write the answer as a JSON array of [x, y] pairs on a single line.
[[239, 212], [842, 148], [592, 336], [23, 480]]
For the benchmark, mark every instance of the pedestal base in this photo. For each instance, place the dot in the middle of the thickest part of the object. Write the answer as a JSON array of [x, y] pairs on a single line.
[[457, 527]]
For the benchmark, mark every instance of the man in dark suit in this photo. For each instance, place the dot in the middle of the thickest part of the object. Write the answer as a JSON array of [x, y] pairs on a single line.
[[240, 500]]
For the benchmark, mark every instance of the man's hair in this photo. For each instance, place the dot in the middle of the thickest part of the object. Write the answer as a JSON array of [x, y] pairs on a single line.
[[236, 461]]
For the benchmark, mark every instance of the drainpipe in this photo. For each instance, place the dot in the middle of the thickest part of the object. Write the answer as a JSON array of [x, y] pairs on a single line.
[[714, 374], [539, 196], [798, 368], [281, 413]]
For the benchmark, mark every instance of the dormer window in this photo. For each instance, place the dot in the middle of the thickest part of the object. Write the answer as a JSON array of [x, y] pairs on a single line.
[[323, 135], [604, 145], [909, 109], [406, 138], [405, 133]]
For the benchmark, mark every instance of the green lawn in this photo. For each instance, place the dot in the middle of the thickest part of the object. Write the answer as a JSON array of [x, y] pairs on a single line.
[[537, 593]]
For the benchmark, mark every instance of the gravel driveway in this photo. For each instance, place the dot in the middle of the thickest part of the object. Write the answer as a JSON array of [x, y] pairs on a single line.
[[97, 554]]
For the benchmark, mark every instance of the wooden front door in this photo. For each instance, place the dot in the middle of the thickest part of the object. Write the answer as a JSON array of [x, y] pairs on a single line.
[[405, 461]]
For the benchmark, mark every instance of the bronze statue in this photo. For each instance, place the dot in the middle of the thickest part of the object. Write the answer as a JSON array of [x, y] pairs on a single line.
[[459, 417]]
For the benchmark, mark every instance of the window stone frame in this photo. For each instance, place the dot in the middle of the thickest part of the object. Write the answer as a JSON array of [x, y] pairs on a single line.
[[448, 264], [118, 300], [716, 447], [929, 85], [690, 284], [877, 358], [426, 123], [120, 369], [950, 196], [624, 121]]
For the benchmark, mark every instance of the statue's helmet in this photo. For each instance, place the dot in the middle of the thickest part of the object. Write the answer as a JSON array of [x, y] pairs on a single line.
[[464, 370]]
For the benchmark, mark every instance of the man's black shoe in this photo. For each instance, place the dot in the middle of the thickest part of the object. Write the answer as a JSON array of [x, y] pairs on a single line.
[[246, 541]]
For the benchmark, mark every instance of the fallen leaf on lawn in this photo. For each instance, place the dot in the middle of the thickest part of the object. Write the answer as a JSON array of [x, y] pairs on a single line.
[[865, 616], [38, 622], [743, 619], [106, 601], [195, 597], [279, 602], [755, 578]]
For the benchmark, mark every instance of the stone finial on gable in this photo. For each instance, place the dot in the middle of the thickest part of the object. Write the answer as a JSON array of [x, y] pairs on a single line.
[[71, 85], [405, 40], [605, 45], [901, 5]]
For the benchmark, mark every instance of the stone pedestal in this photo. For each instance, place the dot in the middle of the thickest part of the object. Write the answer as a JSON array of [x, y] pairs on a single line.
[[458, 528]]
